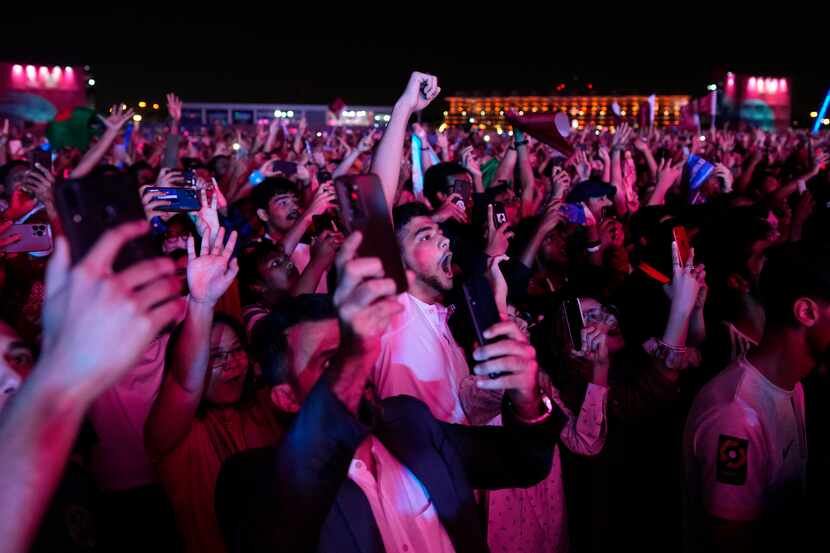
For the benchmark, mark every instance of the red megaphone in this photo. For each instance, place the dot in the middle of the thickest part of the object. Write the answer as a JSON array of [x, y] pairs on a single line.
[[548, 128]]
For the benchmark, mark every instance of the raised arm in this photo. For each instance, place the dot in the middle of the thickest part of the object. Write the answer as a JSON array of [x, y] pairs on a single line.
[[420, 91], [208, 276], [93, 156], [365, 145], [87, 310]]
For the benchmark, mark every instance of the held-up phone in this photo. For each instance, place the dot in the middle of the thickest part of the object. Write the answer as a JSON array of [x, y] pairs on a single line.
[[323, 177], [464, 189], [481, 306], [574, 321], [499, 214], [189, 177], [33, 238], [287, 168], [682, 240], [574, 213], [181, 199], [42, 158], [90, 206], [363, 207]]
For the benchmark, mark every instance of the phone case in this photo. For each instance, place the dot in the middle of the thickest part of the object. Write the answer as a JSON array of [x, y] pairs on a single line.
[[35, 237], [679, 234], [481, 306], [363, 207], [574, 321], [90, 206]]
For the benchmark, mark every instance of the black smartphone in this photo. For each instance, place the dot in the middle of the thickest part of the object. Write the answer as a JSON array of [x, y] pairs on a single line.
[[90, 206], [181, 199], [480, 304], [499, 214], [573, 321], [464, 189], [363, 207], [35, 237], [42, 158], [287, 168], [189, 177]]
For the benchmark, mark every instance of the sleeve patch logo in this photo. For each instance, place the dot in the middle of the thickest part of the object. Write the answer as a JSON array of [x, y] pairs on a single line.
[[732, 460]]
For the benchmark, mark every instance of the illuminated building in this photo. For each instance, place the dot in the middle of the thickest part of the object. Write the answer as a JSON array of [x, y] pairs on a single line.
[[585, 110]]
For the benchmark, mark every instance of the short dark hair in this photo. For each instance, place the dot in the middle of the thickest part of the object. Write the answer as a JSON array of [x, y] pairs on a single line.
[[404, 213], [269, 339], [435, 179], [251, 259], [270, 187], [793, 271]]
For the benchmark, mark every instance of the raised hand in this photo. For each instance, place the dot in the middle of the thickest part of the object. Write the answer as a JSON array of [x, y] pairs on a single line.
[[174, 107], [509, 364], [595, 351], [169, 177], [117, 118], [324, 199], [96, 323], [450, 210], [419, 131], [687, 280], [325, 246], [470, 161], [498, 239], [152, 204], [211, 273], [621, 137], [561, 181], [39, 182], [366, 143], [582, 166], [667, 173], [207, 218], [497, 282], [420, 91]]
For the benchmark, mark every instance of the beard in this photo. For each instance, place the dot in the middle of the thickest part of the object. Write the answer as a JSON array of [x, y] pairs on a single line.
[[435, 283]]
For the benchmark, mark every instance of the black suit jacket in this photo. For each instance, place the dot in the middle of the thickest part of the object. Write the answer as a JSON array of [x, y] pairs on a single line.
[[297, 497]]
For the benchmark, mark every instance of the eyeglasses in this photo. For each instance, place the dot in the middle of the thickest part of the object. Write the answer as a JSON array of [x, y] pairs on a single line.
[[219, 359]]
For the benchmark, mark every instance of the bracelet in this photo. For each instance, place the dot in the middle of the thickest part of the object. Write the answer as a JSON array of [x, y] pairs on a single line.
[[256, 178], [546, 403]]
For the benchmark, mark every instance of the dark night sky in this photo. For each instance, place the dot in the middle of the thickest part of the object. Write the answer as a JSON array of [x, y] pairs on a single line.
[[260, 58]]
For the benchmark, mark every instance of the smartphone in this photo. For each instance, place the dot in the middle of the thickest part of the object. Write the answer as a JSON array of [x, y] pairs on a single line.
[[682, 240], [363, 207], [287, 168], [181, 199], [189, 177], [575, 213], [464, 189], [574, 321], [480, 304], [43, 158], [499, 214], [33, 238], [323, 177], [90, 206]]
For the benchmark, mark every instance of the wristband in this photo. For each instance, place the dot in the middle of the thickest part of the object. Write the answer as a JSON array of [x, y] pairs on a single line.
[[256, 178], [547, 404]]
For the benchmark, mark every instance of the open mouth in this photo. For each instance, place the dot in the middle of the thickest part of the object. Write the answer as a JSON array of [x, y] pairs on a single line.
[[294, 215], [446, 264]]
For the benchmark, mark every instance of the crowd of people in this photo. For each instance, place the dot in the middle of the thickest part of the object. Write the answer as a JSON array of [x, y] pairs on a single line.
[[260, 386]]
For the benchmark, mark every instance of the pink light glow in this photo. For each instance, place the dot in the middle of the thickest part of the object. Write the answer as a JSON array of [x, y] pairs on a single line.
[[56, 72], [772, 85], [30, 72], [751, 83], [782, 84], [761, 88], [18, 69]]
